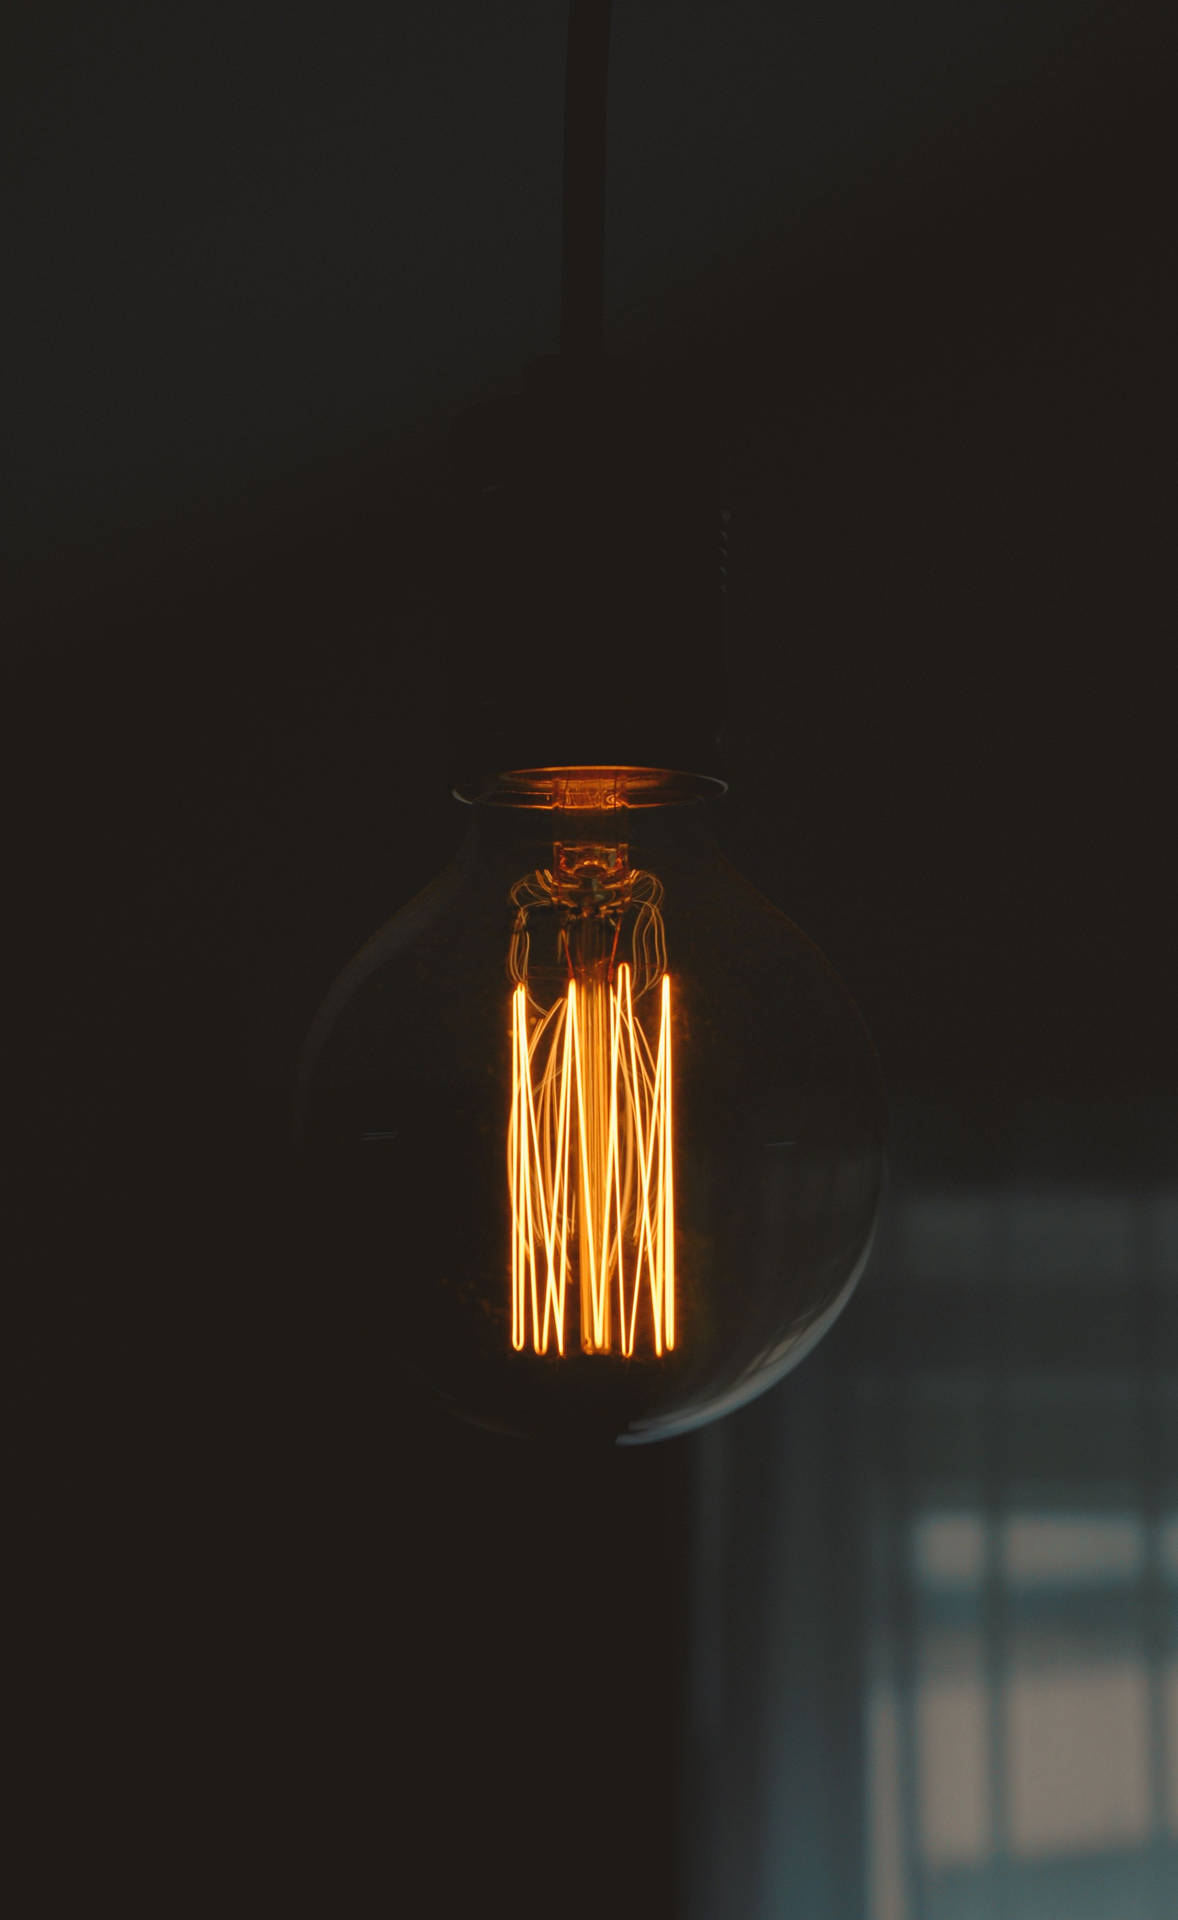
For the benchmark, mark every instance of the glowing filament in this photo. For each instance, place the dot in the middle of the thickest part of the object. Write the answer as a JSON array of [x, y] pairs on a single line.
[[591, 1163]]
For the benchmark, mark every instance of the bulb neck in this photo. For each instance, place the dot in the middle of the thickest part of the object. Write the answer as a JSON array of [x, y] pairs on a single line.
[[591, 818], [590, 789]]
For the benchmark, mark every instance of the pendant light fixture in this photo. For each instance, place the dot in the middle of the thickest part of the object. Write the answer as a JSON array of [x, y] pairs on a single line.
[[598, 1125]]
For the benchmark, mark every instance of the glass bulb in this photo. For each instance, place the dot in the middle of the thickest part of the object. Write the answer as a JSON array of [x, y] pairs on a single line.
[[598, 1124]]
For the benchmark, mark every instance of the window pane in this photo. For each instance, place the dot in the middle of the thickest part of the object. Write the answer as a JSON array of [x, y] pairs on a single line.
[[1077, 1758]]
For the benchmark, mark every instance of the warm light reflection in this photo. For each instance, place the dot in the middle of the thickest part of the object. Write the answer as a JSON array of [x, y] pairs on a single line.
[[591, 1162]]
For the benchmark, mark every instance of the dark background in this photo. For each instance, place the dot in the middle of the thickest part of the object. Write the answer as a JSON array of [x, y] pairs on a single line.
[[915, 262]]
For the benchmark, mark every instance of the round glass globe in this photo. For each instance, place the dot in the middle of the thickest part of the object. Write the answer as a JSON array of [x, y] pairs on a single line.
[[598, 1125]]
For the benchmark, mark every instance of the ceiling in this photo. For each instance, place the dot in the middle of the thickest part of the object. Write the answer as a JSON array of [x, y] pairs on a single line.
[[245, 241]]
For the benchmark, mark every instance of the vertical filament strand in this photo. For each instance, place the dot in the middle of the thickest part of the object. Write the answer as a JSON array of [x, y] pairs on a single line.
[[595, 1220]]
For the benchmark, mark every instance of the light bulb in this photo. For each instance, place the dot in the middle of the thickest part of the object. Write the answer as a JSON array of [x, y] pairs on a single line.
[[598, 1124]]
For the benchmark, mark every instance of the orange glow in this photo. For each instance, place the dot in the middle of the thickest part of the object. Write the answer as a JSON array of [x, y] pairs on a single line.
[[590, 1158]]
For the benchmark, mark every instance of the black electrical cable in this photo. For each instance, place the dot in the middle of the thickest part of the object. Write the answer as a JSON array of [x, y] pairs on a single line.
[[583, 234], [587, 587]]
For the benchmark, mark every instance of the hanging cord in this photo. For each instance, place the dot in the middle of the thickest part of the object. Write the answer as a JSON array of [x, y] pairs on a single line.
[[583, 237]]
